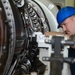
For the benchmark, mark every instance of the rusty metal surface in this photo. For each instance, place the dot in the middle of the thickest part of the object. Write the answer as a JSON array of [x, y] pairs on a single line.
[[3, 53], [1, 29]]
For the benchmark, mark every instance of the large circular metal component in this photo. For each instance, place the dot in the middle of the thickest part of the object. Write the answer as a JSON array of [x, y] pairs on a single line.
[[10, 36], [19, 19], [3, 53]]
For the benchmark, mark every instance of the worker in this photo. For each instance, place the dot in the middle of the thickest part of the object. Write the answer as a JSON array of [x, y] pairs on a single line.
[[66, 21]]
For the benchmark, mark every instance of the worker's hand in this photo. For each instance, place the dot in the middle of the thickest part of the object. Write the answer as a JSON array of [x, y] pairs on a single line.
[[56, 34], [73, 46], [61, 34]]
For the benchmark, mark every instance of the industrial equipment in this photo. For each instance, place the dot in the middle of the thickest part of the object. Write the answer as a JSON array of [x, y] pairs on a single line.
[[23, 24]]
